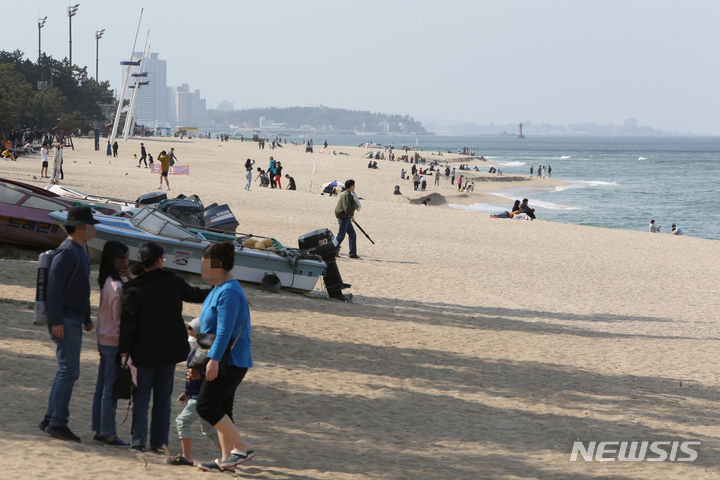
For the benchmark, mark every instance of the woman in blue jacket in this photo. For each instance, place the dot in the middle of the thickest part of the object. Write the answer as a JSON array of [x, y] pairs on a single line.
[[226, 314]]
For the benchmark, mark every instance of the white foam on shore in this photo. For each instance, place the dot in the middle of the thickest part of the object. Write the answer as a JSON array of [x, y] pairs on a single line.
[[596, 183], [533, 202], [565, 157], [642, 158], [482, 207], [511, 164]]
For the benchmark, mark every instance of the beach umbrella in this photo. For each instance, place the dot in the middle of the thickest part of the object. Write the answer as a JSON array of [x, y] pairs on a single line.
[[330, 186]]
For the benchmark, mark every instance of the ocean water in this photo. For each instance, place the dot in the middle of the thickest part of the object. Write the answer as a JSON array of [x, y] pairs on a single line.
[[615, 182]]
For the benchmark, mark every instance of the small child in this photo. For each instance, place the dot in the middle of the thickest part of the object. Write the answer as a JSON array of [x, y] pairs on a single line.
[[189, 415]]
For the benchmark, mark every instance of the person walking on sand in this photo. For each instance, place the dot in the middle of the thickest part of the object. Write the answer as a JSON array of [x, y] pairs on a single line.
[[143, 155], [68, 304], [226, 314], [549, 171], [164, 160], [452, 177], [115, 148], [113, 265], [189, 415], [345, 213], [460, 183], [531, 171], [153, 335], [173, 158], [437, 178], [109, 149], [248, 173]]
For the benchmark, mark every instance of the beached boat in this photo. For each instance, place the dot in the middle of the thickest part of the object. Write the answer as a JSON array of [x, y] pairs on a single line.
[[24, 216], [117, 204], [183, 248]]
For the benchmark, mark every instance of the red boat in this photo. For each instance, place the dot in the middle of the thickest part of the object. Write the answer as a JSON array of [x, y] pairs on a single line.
[[24, 215]]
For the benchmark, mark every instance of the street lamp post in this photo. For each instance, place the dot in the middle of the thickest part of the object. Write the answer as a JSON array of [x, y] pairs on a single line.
[[41, 24], [72, 11], [98, 36]]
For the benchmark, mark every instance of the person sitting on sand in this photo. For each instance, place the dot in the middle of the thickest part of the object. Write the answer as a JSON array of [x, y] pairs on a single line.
[[676, 230], [397, 190], [653, 228], [291, 182], [524, 208], [425, 202]]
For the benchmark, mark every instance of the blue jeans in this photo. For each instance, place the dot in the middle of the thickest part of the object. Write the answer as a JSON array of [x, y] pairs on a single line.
[[159, 380], [67, 351], [346, 227], [248, 175], [104, 402]]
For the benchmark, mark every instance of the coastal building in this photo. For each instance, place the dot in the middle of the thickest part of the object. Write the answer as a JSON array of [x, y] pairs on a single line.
[[151, 105], [630, 123], [225, 106], [185, 108]]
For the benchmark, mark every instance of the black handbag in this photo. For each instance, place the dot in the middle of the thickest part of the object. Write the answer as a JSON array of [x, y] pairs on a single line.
[[123, 383], [205, 343]]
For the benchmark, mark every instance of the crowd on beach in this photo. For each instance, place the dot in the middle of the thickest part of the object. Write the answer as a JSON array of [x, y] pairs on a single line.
[[542, 171], [270, 178], [141, 335]]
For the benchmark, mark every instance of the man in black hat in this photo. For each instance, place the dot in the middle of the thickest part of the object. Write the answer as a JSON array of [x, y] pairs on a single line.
[[68, 303]]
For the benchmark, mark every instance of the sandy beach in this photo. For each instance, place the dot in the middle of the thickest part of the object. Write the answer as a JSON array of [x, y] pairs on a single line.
[[474, 347]]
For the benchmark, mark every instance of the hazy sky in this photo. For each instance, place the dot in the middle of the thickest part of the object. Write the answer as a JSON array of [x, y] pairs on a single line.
[[503, 61]]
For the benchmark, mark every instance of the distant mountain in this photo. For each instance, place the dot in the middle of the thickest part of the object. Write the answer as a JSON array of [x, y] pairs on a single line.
[[317, 118]]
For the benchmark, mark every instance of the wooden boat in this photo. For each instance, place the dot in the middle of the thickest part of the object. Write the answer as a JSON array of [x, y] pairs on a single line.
[[24, 216], [183, 248]]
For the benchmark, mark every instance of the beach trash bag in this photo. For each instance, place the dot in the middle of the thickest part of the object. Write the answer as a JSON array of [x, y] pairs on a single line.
[[271, 283]]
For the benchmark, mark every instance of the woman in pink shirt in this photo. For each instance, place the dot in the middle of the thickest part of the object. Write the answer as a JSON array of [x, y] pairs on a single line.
[[113, 264]]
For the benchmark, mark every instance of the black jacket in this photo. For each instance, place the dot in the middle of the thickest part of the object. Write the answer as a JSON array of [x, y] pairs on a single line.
[[152, 329], [524, 208]]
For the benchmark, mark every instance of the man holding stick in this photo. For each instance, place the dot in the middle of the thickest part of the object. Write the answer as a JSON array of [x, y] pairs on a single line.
[[345, 213]]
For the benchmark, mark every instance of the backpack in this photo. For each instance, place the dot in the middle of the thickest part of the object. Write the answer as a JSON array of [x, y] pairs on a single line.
[[41, 316]]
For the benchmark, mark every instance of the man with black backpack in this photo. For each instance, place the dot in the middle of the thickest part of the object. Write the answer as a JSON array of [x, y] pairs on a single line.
[[68, 304]]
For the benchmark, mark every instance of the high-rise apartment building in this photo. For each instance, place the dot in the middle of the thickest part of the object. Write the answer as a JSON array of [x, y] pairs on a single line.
[[151, 106], [185, 108]]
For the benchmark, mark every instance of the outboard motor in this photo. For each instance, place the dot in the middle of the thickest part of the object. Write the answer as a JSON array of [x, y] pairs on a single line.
[[322, 242], [220, 218], [151, 198]]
